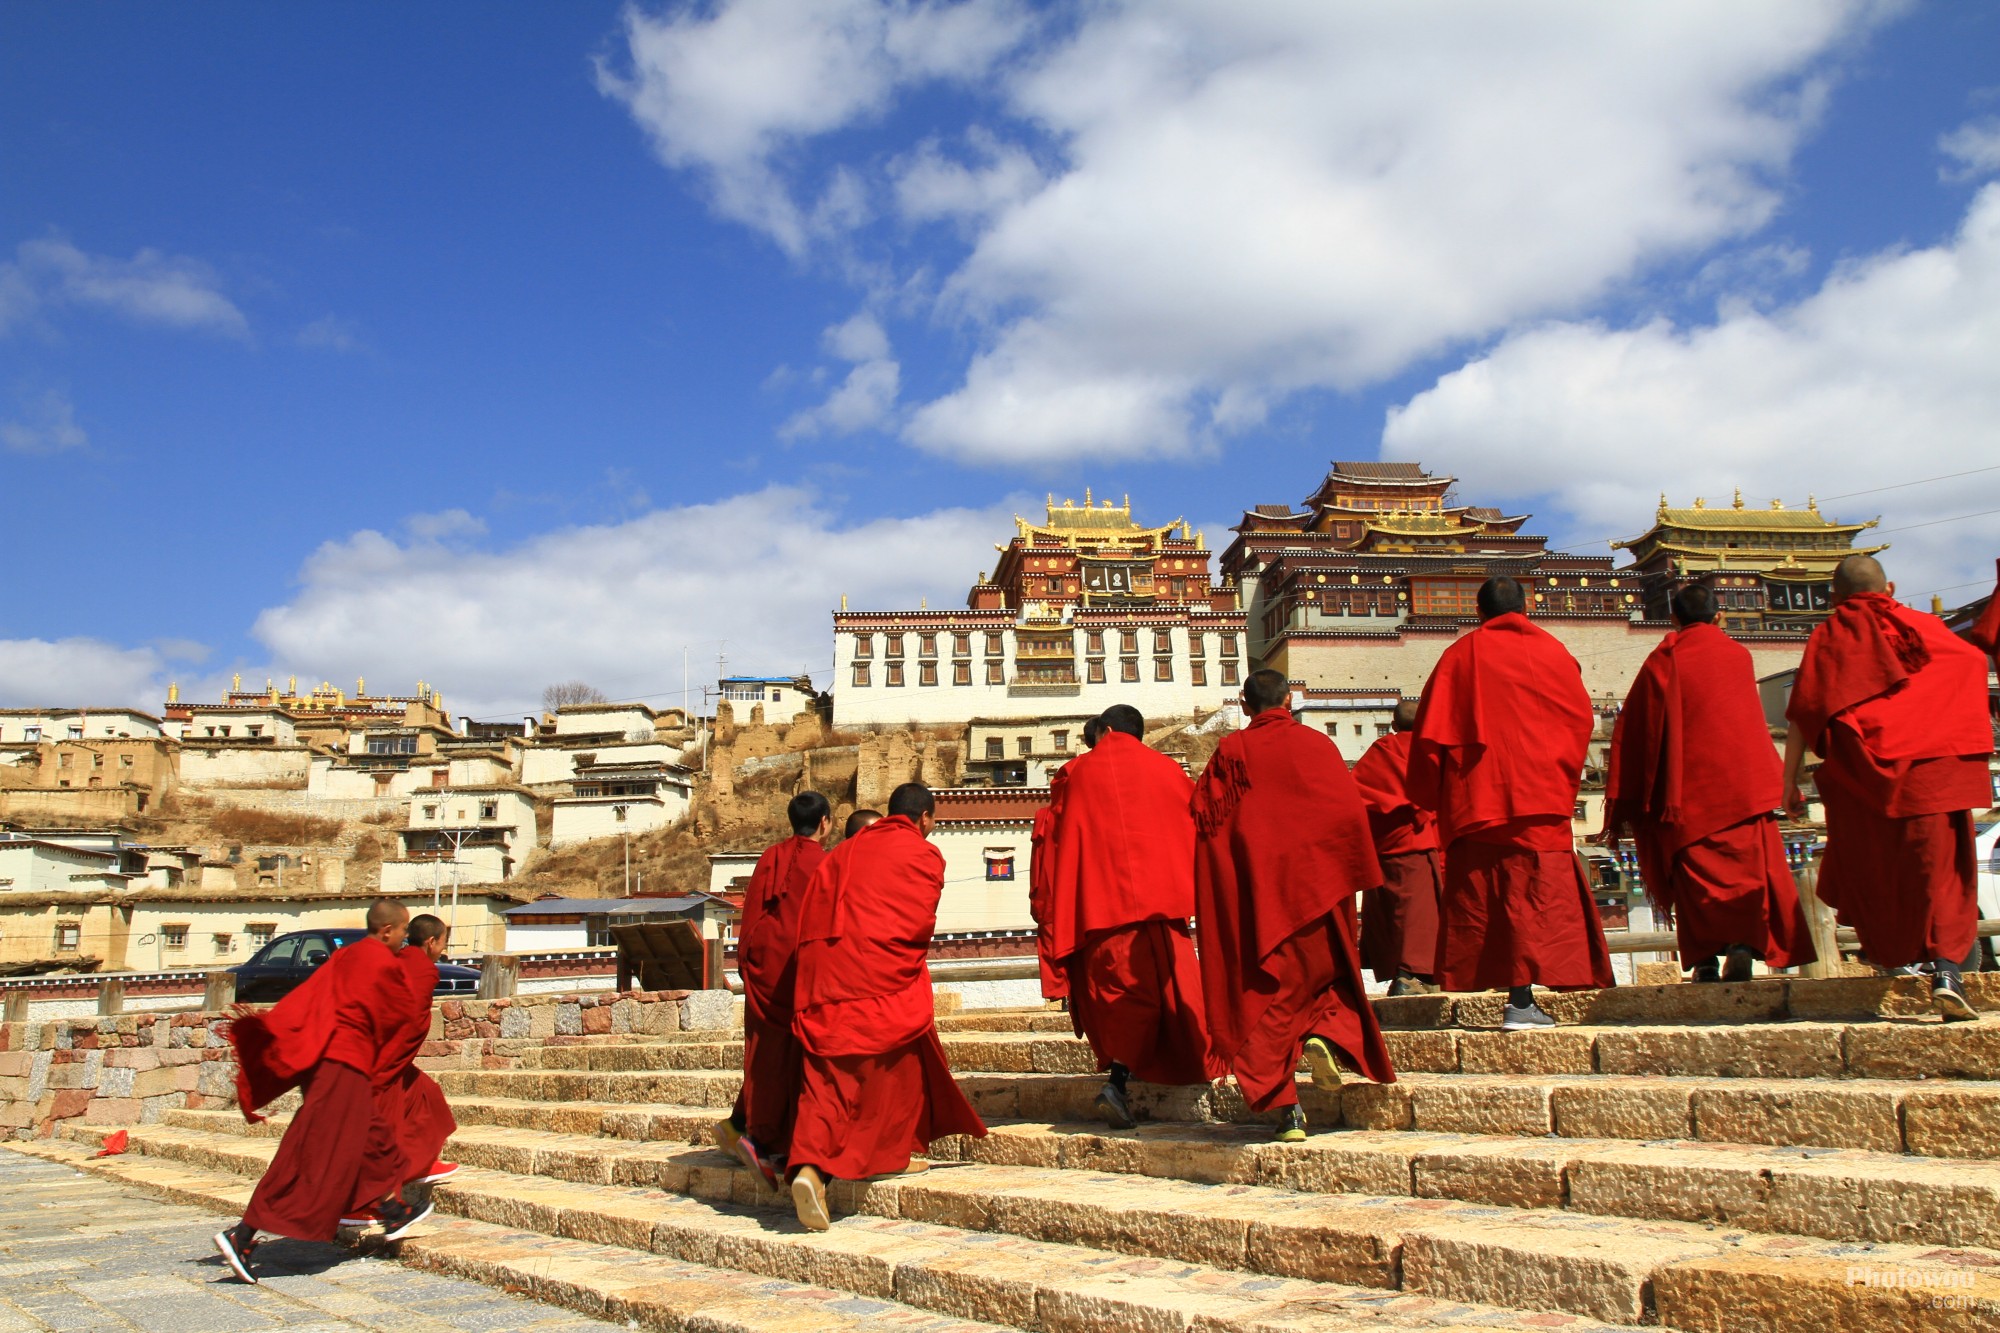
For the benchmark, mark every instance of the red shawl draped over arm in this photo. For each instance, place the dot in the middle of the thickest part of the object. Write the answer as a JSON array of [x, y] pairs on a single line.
[[1906, 685], [767, 944], [1042, 888], [1691, 752], [1502, 731], [343, 1012], [412, 1027], [1399, 824], [865, 926], [1124, 843]]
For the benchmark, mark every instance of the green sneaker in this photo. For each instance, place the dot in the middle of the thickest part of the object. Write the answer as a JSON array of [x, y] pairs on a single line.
[[1292, 1129]]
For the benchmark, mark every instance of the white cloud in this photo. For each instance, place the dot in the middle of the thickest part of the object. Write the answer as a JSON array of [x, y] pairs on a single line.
[[331, 333], [614, 603], [1974, 149], [77, 672], [867, 397], [1883, 376], [930, 185], [444, 525], [172, 291], [860, 338], [47, 425]]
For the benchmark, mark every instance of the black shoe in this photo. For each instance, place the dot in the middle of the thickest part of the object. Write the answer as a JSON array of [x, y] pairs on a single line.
[[1742, 964], [1406, 986], [399, 1218], [1292, 1129], [1948, 996], [1707, 970], [1111, 1104], [236, 1250]]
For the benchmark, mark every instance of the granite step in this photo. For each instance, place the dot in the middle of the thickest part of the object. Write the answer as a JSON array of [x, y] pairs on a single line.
[[1226, 1243], [600, 1280]]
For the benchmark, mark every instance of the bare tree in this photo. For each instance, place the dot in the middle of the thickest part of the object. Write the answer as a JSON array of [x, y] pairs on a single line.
[[570, 692]]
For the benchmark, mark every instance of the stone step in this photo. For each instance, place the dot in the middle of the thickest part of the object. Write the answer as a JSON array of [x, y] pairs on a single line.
[[1842, 1195], [596, 1279], [1775, 999], [1230, 1244]]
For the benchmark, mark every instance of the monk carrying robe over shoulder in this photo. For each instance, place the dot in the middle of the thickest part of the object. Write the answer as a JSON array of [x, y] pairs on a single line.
[[876, 1088], [1695, 777], [759, 1127], [1501, 735], [1399, 921], [1895, 705], [1281, 848], [1123, 890], [326, 1038]]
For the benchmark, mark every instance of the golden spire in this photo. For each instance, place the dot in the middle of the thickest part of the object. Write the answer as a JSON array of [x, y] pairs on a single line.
[[1739, 497], [843, 601], [173, 692], [923, 604], [1812, 503], [1937, 605], [1663, 506], [292, 686], [1087, 500], [360, 686], [236, 682], [1700, 502]]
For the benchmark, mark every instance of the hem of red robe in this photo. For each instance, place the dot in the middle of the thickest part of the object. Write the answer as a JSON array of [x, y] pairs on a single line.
[[336, 1153], [1135, 995], [1399, 921], [1315, 990], [1733, 887], [867, 1115], [769, 1097], [1908, 887], [419, 1117], [1513, 916]]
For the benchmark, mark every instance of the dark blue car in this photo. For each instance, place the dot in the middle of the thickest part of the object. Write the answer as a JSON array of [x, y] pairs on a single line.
[[274, 970]]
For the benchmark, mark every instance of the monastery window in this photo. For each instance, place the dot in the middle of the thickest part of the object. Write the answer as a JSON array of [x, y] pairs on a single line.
[[1024, 746], [1180, 588], [1128, 670], [1128, 641], [69, 936], [1198, 672], [32, 735], [174, 939], [895, 677], [996, 673], [861, 675], [1060, 739], [1163, 668], [124, 761], [1094, 671], [996, 748], [260, 933], [1095, 640], [1229, 645], [927, 645], [430, 812], [961, 673], [927, 673], [62, 760], [961, 645], [1229, 673], [1333, 729], [1197, 645], [257, 730], [892, 645], [76, 733], [1163, 641], [222, 942], [1382, 728], [864, 645], [996, 643], [489, 809], [96, 760]]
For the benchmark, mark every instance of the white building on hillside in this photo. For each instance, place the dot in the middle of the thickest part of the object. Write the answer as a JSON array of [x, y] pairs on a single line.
[[621, 799], [462, 835], [30, 726]]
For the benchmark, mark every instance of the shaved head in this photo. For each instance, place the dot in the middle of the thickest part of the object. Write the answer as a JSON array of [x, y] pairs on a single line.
[[388, 921], [1859, 573], [1265, 690], [1499, 596], [859, 820], [1406, 715]]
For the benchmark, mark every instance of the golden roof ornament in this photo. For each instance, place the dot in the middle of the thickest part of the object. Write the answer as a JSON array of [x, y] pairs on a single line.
[[1739, 497], [173, 692], [292, 685], [360, 687], [1663, 506], [843, 601], [1700, 502], [236, 682], [1777, 506], [1812, 503]]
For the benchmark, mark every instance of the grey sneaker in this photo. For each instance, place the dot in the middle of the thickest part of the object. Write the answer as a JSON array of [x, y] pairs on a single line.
[[1524, 1019], [1111, 1104]]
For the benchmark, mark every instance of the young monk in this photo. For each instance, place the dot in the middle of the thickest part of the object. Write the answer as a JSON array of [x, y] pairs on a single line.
[[1282, 847], [1399, 921], [1499, 743], [759, 1129], [1042, 876], [1895, 705], [407, 1099], [876, 1087], [1694, 775], [1122, 893], [325, 1037], [857, 821]]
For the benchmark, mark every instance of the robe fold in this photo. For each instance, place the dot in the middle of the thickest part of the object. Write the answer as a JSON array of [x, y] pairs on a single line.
[[1399, 921], [1121, 893], [1497, 752], [326, 1038], [1282, 847], [767, 958], [1984, 633], [875, 1088], [1041, 890], [1896, 707], [1695, 776], [405, 1096]]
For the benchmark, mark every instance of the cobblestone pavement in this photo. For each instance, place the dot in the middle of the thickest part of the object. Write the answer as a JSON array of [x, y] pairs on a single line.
[[80, 1253]]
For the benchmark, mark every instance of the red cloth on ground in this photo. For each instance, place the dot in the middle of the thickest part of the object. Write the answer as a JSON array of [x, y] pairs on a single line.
[[1041, 891], [767, 958], [875, 1079], [1399, 921], [1399, 824], [344, 1011], [406, 1098], [335, 1153], [1516, 910], [1896, 705], [1730, 887], [1135, 994], [1502, 730], [1282, 847]]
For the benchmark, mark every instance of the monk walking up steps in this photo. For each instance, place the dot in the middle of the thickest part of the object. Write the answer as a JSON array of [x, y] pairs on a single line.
[[1282, 847], [1122, 890], [1695, 776], [1498, 750], [759, 1129], [1895, 705], [876, 1088], [407, 1099], [325, 1037], [1399, 921]]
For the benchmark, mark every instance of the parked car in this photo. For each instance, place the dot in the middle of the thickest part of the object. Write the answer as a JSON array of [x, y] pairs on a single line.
[[1986, 842], [275, 970]]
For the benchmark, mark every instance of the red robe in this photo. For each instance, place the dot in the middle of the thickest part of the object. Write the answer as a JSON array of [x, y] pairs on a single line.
[[1122, 892], [1399, 921], [1694, 773], [405, 1096], [1282, 847], [325, 1037], [1896, 706], [1041, 889], [876, 1088], [1984, 633], [1497, 752], [767, 956]]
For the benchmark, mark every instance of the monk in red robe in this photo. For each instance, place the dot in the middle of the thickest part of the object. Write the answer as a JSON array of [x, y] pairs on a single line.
[[325, 1037], [405, 1096], [1984, 633], [876, 1088], [1282, 847], [1399, 921], [1896, 707], [1499, 743], [1042, 878], [1121, 896], [1693, 774], [759, 1129]]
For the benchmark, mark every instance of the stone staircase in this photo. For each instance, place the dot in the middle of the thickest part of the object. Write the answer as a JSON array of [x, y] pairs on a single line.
[[1780, 1154]]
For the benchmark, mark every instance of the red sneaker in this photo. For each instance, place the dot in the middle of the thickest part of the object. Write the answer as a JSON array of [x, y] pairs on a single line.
[[362, 1217], [440, 1170]]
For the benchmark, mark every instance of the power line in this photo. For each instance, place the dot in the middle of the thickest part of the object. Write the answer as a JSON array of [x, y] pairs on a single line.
[[1924, 481], [1955, 518]]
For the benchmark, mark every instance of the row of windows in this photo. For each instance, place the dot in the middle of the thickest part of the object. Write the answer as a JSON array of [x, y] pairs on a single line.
[[961, 644], [1096, 672], [96, 759], [173, 939]]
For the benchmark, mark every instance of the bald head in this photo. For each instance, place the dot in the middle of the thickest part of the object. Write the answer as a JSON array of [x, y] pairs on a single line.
[[859, 820], [1406, 715], [1859, 573], [388, 921]]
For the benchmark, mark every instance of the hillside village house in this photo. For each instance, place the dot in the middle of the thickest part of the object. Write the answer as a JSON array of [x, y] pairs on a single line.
[[462, 835], [781, 697], [597, 733], [621, 798], [29, 726]]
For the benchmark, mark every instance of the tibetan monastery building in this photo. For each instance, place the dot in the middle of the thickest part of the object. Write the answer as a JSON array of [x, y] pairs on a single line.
[[1083, 610]]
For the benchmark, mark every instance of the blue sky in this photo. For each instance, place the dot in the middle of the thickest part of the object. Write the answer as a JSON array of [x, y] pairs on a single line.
[[504, 344]]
